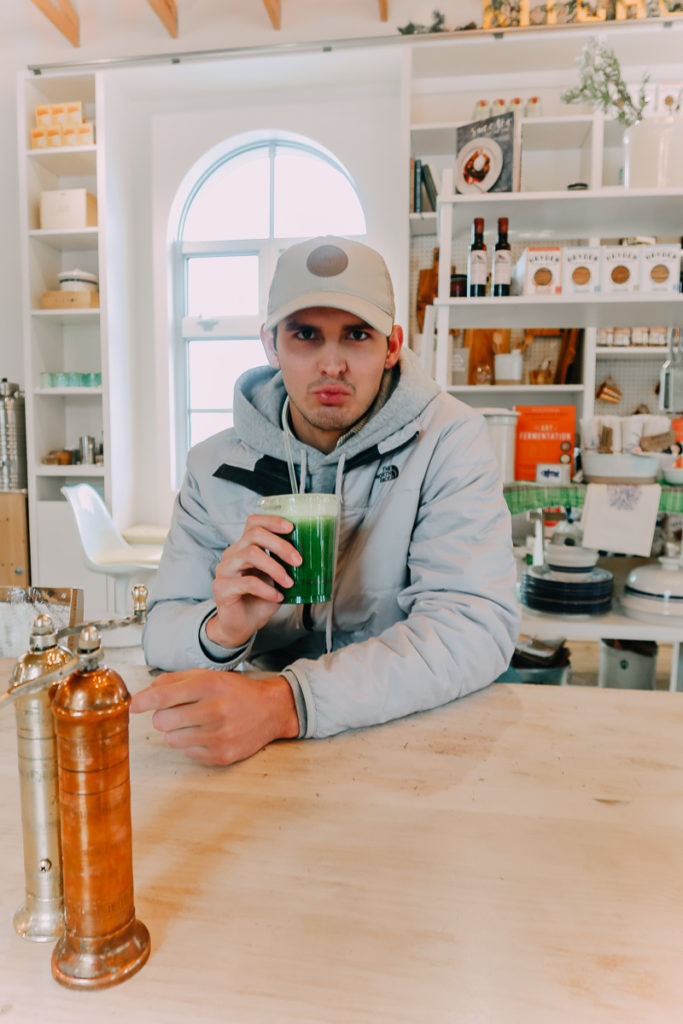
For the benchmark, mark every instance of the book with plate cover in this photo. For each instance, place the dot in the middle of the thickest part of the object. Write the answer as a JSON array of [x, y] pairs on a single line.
[[487, 155]]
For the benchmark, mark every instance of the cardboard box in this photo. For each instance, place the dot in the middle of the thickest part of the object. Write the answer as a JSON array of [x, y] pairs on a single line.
[[660, 268], [43, 115], [62, 299], [67, 208], [38, 138], [58, 114], [538, 271], [53, 136], [545, 435], [86, 133], [74, 113], [580, 269], [619, 268]]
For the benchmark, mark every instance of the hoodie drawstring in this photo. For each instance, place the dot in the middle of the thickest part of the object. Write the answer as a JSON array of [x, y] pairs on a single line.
[[338, 485]]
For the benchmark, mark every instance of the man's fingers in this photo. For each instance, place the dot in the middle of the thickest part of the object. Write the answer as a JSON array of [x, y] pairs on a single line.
[[169, 690]]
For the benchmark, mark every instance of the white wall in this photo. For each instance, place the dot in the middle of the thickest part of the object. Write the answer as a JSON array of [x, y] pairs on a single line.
[[130, 28]]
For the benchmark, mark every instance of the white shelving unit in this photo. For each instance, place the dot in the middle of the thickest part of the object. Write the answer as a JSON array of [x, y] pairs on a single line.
[[77, 340], [566, 145]]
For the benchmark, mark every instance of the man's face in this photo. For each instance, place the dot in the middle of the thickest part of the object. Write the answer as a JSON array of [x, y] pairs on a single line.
[[332, 364]]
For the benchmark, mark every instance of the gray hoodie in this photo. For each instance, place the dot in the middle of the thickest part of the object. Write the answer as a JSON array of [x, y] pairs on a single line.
[[424, 607]]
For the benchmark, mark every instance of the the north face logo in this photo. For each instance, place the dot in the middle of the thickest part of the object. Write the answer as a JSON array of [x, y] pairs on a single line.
[[387, 473]]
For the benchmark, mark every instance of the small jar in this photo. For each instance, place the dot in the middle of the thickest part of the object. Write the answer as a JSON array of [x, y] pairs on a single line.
[[481, 110], [458, 286], [533, 107]]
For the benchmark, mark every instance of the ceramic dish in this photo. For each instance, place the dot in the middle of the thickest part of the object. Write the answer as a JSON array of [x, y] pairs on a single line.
[[672, 475], [652, 609], [566, 558], [624, 468], [662, 579]]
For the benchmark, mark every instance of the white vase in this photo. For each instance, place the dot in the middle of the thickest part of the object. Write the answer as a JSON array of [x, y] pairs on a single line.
[[653, 153]]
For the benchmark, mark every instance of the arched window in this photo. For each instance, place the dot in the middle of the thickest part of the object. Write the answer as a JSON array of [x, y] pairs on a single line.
[[247, 207]]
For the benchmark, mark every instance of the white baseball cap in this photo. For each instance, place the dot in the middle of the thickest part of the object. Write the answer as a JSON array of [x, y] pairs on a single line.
[[336, 272]]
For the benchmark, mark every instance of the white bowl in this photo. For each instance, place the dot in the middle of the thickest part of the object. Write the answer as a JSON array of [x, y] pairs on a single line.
[[672, 475], [567, 558], [625, 467], [662, 580]]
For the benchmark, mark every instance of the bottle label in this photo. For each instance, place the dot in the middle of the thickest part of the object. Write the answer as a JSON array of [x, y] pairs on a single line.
[[476, 266], [501, 266]]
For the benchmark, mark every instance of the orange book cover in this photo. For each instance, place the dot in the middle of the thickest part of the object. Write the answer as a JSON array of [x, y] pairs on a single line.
[[545, 433]]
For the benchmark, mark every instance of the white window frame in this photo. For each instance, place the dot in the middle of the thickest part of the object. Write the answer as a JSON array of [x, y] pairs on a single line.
[[189, 328]]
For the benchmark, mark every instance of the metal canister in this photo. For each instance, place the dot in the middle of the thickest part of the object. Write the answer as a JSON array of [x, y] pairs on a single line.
[[12, 437], [103, 942], [42, 916]]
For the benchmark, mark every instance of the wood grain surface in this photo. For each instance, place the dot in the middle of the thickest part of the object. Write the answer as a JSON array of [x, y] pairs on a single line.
[[513, 858]]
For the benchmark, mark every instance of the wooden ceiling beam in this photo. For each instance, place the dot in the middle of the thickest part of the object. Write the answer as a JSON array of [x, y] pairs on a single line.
[[63, 17], [167, 12], [384, 10], [273, 8]]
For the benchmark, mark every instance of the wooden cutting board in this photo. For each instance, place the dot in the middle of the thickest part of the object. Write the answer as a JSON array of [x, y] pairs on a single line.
[[481, 344]]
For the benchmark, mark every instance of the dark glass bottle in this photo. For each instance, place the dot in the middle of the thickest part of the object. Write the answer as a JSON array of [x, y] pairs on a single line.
[[500, 284], [476, 261]]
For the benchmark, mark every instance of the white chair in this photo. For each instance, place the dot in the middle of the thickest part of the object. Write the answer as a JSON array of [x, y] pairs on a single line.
[[104, 548]]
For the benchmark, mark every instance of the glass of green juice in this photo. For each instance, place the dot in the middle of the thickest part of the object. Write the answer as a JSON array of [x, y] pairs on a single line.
[[314, 517]]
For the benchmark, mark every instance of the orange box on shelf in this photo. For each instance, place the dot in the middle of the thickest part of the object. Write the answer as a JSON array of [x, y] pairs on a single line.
[[57, 114], [73, 113], [53, 136], [545, 434], [38, 138], [43, 115], [70, 300], [85, 133]]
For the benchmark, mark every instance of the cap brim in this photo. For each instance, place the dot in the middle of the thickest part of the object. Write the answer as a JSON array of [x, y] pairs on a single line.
[[373, 315]]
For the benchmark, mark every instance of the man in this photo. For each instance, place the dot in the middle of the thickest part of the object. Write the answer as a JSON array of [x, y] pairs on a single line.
[[424, 606]]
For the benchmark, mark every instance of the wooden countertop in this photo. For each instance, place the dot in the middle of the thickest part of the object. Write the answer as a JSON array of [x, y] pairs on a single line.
[[513, 858]]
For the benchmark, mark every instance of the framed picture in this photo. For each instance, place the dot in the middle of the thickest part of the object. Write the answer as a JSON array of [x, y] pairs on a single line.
[[669, 97], [629, 10], [592, 10], [501, 13]]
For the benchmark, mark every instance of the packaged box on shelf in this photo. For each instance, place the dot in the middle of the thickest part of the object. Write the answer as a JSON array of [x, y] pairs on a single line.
[[38, 138], [619, 268], [86, 133], [545, 435], [53, 136], [62, 299], [580, 269], [538, 271], [74, 113], [43, 116], [660, 268], [67, 208], [58, 115]]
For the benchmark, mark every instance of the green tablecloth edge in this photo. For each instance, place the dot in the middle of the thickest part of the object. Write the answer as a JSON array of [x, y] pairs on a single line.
[[521, 497]]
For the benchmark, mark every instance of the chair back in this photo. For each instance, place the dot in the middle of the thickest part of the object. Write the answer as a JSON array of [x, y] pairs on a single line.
[[96, 527], [19, 607]]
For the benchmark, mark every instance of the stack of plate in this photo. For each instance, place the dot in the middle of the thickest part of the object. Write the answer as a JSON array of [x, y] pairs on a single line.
[[559, 593]]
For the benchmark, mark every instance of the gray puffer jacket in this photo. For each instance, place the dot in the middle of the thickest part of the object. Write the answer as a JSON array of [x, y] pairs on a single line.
[[424, 607]]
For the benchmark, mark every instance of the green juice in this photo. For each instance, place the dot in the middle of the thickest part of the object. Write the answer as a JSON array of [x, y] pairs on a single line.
[[314, 540], [314, 517]]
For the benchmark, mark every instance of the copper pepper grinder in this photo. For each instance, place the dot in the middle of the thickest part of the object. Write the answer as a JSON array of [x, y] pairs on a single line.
[[103, 943], [41, 917]]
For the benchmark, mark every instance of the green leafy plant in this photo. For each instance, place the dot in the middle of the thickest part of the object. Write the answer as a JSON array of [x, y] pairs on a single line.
[[412, 29], [601, 85]]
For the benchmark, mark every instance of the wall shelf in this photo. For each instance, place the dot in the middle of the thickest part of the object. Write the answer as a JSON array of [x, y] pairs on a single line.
[[75, 239]]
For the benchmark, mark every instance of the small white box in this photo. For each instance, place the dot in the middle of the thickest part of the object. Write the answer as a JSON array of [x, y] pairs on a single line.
[[67, 208], [660, 268], [539, 271], [619, 268], [580, 269]]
